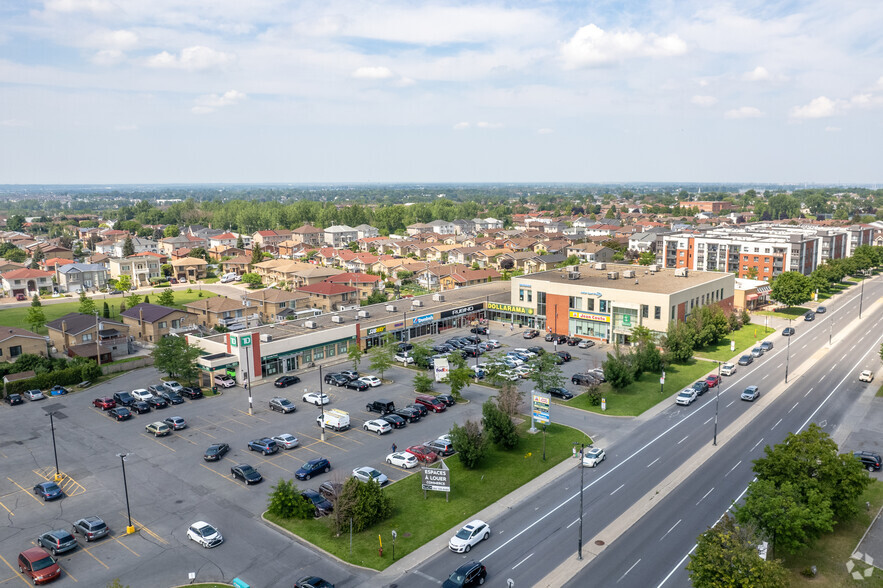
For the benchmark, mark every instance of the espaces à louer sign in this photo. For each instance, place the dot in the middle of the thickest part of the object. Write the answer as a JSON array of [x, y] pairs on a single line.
[[437, 479]]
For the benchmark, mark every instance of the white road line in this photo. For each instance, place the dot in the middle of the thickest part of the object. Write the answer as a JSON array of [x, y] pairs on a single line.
[[522, 561], [807, 392], [628, 570], [835, 365], [780, 365], [575, 521], [617, 490], [731, 403], [756, 444], [672, 529], [777, 424], [804, 345], [822, 378], [652, 462], [853, 347], [427, 576], [704, 497], [765, 377], [733, 468], [793, 407], [708, 421], [682, 440]]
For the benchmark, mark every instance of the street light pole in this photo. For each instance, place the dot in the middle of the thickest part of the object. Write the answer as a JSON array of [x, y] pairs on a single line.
[[582, 447], [322, 406], [131, 528], [54, 449], [717, 402]]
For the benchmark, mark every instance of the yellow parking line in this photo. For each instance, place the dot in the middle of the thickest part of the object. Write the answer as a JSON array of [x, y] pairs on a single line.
[[88, 551], [269, 461], [7, 510], [13, 570], [158, 441], [25, 491], [204, 433], [219, 474], [117, 539], [149, 532], [186, 439], [8, 579], [315, 441], [254, 416], [71, 575]]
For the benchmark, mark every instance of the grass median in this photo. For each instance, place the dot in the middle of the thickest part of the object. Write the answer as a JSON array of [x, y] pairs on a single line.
[[745, 338], [790, 312], [418, 520]]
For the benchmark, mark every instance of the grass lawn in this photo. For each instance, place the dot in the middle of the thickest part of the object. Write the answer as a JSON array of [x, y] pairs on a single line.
[[745, 338], [15, 317], [830, 553], [786, 313], [418, 521], [644, 393]]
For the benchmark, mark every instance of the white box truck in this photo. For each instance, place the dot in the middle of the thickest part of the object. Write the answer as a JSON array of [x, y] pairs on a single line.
[[336, 419]]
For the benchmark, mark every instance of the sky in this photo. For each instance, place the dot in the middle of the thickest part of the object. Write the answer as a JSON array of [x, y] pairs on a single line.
[[179, 91]]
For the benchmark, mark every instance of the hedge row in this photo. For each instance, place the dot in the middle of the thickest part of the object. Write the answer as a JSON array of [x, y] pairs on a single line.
[[66, 377]]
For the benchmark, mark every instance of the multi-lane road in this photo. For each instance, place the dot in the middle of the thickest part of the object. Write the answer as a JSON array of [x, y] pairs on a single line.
[[665, 483]]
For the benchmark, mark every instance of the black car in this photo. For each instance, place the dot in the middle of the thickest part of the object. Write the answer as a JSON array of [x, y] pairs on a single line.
[[821, 310], [472, 573], [123, 398], [191, 392], [336, 379], [537, 350], [120, 413], [471, 351], [810, 316], [173, 397], [13, 399], [312, 468], [550, 336], [403, 346], [559, 339], [443, 348], [447, 399], [746, 359], [394, 420], [422, 410], [157, 402], [472, 339], [583, 380], [562, 393], [246, 473], [573, 341], [557, 359], [411, 415], [140, 407], [313, 582], [479, 330], [564, 355], [870, 460], [323, 505], [788, 331], [701, 387], [216, 451], [286, 381], [357, 385], [456, 344], [530, 334]]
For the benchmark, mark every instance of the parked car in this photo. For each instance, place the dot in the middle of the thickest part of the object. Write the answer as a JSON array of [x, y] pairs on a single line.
[[728, 369], [821, 310], [564, 355], [123, 398], [224, 381], [530, 334], [172, 397], [409, 414], [394, 420], [494, 343], [313, 582], [366, 474], [421, 410], [597, 373], [156, 389], [472, 573], [701, 387], [750, 393], [286, 381], [766, 346], [870, 460], [404, 346], [592, 456], [441, 447], [377, 426], [158, 429], [788, 331], [20, 297], [316, 398], [104, 403], [562, 393], [357, 385], [176, 423], [422, 453], [866, 376], [713, 380], [172, 385], [13, 399], [336, 379], [583, 379], [34, 395], [312, 468], [686, 397], [404, 358], [91, 528], [432, 403], [246, 473], [38, 565], [573, 341], [479, 330], [746, 360], [120, 413], [157, 402], [402, 459], [48, 491], [351, 374], [372, 381], [204, 534], [322, 505], [757, 352], [448, 399], [142, 394], [191, 392], [216, 451], [330, 490], [469, 536], [265, 445], [809, 316], [586, 343], [381, 405], [282, 405]]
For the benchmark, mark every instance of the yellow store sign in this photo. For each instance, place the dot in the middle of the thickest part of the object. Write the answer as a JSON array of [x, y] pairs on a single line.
[[509, 308], [588, 316]]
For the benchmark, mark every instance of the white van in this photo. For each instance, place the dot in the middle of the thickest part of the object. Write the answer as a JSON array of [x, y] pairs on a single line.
[[334, 419], [226, 278]]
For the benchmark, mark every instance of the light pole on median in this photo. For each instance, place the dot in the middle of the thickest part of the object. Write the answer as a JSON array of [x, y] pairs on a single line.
[[582, 447], [54, 449], [131, 528], [717, 402]]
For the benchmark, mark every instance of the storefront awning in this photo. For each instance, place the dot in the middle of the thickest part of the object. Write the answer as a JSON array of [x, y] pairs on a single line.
[[752, 297]]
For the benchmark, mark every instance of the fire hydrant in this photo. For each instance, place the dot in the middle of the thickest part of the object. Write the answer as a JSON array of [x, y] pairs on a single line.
[[381, 551]]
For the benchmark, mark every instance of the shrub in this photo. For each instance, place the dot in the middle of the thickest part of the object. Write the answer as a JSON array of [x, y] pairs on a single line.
[[286, 501], [499, 426], [594, 397], [364, 502], [471, 445]]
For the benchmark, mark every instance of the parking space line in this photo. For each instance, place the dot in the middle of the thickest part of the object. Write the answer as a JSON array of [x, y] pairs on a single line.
[[185, 439], [158, 441], [241, 424], [70, 486], [253, 416], [7, 510], [25, 491], [316, 441], [88, 550], [67, 573], [270, 461], [219, 474], [149, 532], [204, 433], [17, 575], [117, 539]]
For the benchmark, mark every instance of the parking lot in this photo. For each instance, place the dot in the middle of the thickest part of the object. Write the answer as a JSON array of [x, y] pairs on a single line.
[[171, 486]]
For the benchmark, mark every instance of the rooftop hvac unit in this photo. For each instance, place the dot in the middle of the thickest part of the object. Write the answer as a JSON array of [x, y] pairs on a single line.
[[573, 268], [612, 275], [438, 297], [364, 314], [573, 275], [601, 266], [681, 272], [336, 319], [311, 324], [628, 274], [416, 302], [653, 267], [390, 308], [266, 338]]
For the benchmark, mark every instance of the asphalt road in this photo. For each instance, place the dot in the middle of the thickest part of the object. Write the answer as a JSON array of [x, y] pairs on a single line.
[[541, 533]]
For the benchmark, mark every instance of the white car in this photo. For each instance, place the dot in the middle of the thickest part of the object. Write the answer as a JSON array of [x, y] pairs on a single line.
[[173, 386], [866, 376], [372, 381], [366, 474], [516, 360], [142, 394], [377, 426], [404, 358], [524, 351], [286, 441], [592, 456], [204, 534], [224, 381], [402, 459], [470, 535], [316, 398], [509, 375], [494, 343], [686, 397], [728, 369]]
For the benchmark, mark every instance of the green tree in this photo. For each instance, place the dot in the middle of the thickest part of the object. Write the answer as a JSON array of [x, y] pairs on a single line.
[[471, 445], [286, 501], [105, 311], [87, 305], [545, 373], [354, 352], [133, 300], [128, 246], [726, 557], [791, 289], [364, 502], [498, 425], [146, 299], [376, 297], [257, 255], [36, 257], [35, 300], [459, 375], [166, 297], [167, 269], [171, 231], [423, 383], [174, 356], [647, 258], [571, 260], [421, 351], [240, 243], [618, 370], [35, 318], [252, 279], [679, 341], [16, 222], [381, 356], [117, 584], [124, 283]]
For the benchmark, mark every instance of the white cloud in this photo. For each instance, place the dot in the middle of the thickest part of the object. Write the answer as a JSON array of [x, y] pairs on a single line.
[[488, 125], [591, 46], [404, 82], [879, 84], [373, 73], [118, 39], [743, 112], [108, 57], [821, 107], [14, 122], [545, 131], [211, 102], [832, 129], [68, 6], [125, 128], [191, 59], [461, 126], [758, 74], [704, 101]]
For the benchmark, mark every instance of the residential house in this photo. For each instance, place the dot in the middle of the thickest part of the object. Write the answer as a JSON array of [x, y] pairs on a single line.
[[100, 258], [87, 335], [464, 255], [139, 244], [219, 252], [555, 227], [520, 244], [151, 322], [440, 252], [367, 231], [289, 248], [140, 268], [241, 264], [584, 222], [308, 235], [330, 297], [488, 257], [74, 277], [574, 233], [314, 275], [51, 251], [418, 228], [607, 230], [49, 265], [26, 282], [15, 342], [590, 252], [271, 238], [431, 276], [189, 268], [367, 284], [277, 305], [340, 235], [468, 277], [643, 242], [547, 262], [8, 266], [229, 239], [527, 261], [464, 227], [554, 246], [223, 312], [169, 244], [443, 227], [357, 262]]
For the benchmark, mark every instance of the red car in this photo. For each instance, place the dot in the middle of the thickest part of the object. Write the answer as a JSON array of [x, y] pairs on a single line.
[[422, 453], [20, 297], [713, 381], [104, 403], [38, 565], [432, 403]]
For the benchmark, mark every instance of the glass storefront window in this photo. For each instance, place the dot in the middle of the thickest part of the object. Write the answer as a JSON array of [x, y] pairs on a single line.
[[342, 347], [329, 350], [319, 353], [588, 328]]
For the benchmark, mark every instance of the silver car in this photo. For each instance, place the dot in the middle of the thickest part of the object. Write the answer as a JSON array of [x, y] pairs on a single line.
[[286, 441]]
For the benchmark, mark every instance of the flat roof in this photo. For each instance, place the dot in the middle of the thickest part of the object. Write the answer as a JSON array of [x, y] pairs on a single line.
[[498, 291], [662, 281]]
